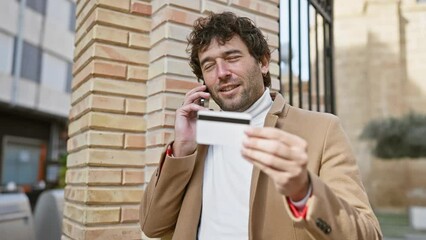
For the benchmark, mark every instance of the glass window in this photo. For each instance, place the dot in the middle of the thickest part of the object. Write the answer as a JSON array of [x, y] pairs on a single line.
[[72, 17], [6, 53], [31, 61], [60, 11], [54, 72], [22, 158], [69, 77], [37, 5]]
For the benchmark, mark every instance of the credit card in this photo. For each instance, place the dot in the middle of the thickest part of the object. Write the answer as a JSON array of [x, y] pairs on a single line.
[[221, 128]]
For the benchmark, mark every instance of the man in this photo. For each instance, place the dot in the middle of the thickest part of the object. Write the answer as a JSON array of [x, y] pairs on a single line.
[[295, 176]]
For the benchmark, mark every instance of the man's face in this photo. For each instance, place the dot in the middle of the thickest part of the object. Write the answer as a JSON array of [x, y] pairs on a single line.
[[232, 75]]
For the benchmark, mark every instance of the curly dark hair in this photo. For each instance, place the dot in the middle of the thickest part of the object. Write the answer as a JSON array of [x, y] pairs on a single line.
[[223, 27]]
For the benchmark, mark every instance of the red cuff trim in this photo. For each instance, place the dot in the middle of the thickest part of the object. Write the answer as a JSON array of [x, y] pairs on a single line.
[[169, 151], [297, 213]]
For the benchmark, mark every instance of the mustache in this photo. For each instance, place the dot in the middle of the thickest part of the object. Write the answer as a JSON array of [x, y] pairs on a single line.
[[227, 83]]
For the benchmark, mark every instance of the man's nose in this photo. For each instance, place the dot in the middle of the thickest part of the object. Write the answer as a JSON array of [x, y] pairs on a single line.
[[223, 70]]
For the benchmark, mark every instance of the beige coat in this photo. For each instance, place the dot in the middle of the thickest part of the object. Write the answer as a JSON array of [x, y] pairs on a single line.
[[338, 208]]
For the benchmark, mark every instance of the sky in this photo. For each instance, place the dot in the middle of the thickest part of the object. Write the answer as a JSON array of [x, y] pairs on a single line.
[[304, 33]]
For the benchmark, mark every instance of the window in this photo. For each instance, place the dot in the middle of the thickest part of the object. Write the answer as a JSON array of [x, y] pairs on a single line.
[[22, 158], [31, 61], [54, 72], [6, 53], [72, 18], [62, 13], [37, 5], [69, 78]]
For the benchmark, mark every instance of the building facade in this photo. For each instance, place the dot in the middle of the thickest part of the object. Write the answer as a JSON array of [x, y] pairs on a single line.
[[36, 49], [380, 71]]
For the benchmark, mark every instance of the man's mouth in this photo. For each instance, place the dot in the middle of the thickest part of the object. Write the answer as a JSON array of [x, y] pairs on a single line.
[[228, 88]]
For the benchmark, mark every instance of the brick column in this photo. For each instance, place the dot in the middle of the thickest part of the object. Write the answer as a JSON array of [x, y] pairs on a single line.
[[107, 121], [130, 75]]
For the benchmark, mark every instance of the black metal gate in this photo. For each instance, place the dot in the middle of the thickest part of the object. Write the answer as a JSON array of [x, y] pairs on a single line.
[[313, 41]]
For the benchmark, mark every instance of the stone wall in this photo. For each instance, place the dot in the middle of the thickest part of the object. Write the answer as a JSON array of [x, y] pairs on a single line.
[[378, 73]]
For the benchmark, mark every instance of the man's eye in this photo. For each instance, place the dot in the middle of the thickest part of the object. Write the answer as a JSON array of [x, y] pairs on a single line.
[[233, 58], [208, 66]]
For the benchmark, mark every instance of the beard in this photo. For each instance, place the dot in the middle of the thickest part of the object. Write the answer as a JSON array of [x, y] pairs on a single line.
[[251, 89]]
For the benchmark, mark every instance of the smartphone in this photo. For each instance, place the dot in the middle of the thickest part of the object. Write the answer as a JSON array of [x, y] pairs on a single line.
[[203, 101]]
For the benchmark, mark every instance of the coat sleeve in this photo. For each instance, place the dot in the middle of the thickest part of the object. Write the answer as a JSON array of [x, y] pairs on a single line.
[[160, 204], [339, 207]]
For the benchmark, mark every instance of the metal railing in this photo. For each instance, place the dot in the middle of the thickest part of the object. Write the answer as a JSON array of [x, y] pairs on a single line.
[[316, 90]]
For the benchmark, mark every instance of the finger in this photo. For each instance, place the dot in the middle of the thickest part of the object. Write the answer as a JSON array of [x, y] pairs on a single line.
[[268, 160], [190, 110], [280, 178], [299, 155], [199, 88], [195, 97], [262, 167], [193, 107], [278, 134], [274, 147]]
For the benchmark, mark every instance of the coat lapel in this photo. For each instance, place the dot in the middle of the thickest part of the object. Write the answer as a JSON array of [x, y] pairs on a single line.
[[192, 204], [278, 106], [198, 179]]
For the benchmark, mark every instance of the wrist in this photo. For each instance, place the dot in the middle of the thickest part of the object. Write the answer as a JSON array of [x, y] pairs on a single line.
[[181, 149], [304, 191]]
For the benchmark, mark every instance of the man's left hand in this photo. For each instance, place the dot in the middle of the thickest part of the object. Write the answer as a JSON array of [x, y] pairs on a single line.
[[280, 155]]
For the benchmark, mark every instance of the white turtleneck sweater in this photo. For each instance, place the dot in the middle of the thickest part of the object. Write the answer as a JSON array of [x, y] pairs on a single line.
[[226, 185]]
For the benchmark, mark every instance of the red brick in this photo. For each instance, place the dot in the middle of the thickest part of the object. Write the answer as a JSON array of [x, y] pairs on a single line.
[[130, 214], [184, 86], [174, 15], [135, 141], [133, 176], [141, 8], [121, 54]]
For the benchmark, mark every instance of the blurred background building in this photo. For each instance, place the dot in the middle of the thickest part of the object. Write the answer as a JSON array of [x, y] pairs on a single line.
[[36, 49], [380, 72]]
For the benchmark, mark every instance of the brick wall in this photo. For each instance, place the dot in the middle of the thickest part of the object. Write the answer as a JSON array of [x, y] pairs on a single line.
[[130, 74]]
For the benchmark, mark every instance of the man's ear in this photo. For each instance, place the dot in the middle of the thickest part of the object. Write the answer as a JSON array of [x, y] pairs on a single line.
[[264, 65]]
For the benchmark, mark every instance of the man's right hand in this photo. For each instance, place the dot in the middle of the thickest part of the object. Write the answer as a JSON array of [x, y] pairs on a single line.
[[186, 116]]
